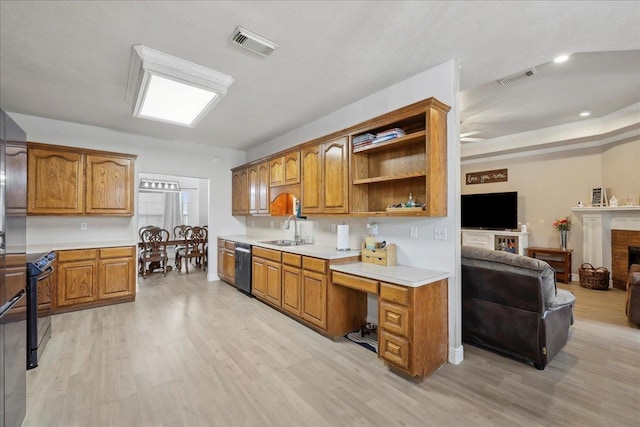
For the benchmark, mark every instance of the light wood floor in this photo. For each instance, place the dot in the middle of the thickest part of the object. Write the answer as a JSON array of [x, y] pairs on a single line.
[[196, 353]]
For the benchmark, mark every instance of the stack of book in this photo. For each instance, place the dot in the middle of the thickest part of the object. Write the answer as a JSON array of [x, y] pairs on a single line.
[[362, 140], [388, 134]]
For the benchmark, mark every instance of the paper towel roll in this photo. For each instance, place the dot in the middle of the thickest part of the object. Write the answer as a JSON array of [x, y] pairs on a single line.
[[343, 237]]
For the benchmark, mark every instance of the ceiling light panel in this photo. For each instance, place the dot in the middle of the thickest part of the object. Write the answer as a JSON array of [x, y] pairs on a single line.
[[168, 89]]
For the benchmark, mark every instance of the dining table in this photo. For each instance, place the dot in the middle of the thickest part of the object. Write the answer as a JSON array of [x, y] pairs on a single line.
[[156, 265]]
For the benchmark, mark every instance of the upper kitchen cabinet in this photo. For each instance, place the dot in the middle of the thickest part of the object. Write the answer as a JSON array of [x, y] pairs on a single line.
[[285, 170], [325, 177], [16, 178], [239, 192], [413, 161], [71, 181], [109, 180], [258, 177]]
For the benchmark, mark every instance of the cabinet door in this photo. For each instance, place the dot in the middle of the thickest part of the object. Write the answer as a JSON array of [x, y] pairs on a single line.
[[109, 185], [311, 180], [273, 291], [291, 287], [335, 163], [16, 179], [252, 176], [291, 168], [116, 278], [263, 188], [239, 197], [77, 283], [259, 277], [55, 182], [221, 274], [229, 266], [314, 298], [276, 171]]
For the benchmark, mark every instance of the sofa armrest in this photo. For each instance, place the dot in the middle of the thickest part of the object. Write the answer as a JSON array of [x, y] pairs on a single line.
[[563, 298]]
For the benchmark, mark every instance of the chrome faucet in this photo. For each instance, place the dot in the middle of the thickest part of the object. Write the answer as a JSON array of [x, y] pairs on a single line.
[[296, 237]]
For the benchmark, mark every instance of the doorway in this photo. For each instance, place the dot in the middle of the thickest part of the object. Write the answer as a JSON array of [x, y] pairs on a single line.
[[167, 201]]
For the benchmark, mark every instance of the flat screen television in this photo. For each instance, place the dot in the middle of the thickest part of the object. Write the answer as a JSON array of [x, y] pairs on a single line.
[[493, 211]]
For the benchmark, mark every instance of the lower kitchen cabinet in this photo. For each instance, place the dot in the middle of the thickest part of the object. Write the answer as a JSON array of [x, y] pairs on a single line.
[[314, 298], [227, 261], [266, 275], [94, 277], [292, 283]]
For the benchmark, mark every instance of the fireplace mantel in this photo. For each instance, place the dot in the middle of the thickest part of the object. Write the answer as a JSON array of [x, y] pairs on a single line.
[[597, 224]]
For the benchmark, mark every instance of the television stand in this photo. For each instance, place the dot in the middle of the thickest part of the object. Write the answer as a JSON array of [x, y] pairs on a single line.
[[509, 241]]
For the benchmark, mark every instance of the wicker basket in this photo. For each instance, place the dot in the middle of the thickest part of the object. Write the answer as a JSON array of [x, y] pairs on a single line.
[[593, 278]]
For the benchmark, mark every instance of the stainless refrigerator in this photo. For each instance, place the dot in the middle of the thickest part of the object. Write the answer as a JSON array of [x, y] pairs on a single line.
[[13, 313]]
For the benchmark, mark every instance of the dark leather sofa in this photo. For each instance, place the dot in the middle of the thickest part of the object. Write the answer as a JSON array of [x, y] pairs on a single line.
[[510, 304], [632, 307]]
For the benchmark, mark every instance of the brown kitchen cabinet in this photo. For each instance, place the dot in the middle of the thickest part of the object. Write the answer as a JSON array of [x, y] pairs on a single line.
[[292, 283], [285, 170], [94, 277], [227, 261], [263, 188], [266, 275], [72, 181], [325, 177], [240, 192]]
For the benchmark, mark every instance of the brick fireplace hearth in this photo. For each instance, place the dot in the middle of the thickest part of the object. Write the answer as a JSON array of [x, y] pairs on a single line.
[[622, 243]]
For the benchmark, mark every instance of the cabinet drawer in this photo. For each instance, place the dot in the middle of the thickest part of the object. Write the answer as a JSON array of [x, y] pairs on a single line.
[[394, 293], [267, 253], [291, 259], [221, 243], [77, 255], [121, 252], [355, 282], [394, 318], [228, 244], [375, 253], [314, 264], [394, 349], [374, 260]]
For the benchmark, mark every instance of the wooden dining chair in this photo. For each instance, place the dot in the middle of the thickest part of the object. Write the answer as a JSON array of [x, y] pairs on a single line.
[[179, 233], [194, 246], [141, 250], [154, 250]]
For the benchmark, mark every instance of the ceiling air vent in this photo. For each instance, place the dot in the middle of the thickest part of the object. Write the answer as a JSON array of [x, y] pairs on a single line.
[[252, 42], [515, 77]]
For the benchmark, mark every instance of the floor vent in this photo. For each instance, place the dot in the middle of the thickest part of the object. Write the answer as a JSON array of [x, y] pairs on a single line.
[[519, 76], [252, 41]]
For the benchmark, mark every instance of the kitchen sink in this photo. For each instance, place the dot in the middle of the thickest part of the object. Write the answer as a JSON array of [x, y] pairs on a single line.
[[284, 242]]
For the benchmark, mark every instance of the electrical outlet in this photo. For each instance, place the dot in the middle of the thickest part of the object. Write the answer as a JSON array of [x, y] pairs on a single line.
[[414, 232], [83, 226], [440, 233], [333, 228]]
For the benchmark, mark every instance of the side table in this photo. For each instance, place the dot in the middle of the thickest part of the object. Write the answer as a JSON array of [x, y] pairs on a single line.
[[559, 259]]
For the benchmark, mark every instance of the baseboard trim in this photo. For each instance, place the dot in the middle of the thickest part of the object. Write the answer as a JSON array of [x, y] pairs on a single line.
[[456, 355]]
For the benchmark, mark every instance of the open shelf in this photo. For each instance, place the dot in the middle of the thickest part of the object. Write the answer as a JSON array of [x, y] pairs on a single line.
[[388, 178], [392, 144]]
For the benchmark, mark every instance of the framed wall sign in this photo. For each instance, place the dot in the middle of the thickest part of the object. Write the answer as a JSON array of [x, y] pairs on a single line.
[[485, 177], [599, 197]]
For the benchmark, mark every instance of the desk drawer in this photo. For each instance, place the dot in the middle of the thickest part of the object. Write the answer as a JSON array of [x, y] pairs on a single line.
[[394, 349], [394, 318], [354, 282], [394, 293]]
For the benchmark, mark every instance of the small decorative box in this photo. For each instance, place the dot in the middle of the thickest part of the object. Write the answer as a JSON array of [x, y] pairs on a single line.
[[380, 256]]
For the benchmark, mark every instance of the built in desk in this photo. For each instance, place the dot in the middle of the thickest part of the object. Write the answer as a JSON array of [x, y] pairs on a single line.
[[557, 258]]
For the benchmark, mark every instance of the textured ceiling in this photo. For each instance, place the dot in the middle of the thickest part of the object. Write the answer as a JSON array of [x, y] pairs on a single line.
[[70, 60]]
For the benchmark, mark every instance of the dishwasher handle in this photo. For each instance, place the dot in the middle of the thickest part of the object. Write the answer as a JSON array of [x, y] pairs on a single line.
[[247, 251]]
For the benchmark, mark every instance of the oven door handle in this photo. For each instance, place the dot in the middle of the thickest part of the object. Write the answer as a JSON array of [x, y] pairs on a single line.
[[48, 272]]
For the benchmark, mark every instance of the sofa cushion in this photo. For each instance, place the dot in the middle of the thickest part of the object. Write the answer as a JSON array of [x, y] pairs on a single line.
[[513, 263]]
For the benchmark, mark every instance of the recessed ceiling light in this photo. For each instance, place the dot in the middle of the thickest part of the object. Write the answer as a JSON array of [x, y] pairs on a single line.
[[585, 113], [561, 58], [164, 88]]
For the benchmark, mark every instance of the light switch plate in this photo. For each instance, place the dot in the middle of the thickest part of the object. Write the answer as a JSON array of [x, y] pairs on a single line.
[[440, 233], [83, 226], [414, 232]]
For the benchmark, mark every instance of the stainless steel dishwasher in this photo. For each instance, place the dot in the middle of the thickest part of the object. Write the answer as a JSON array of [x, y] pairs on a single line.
[[243, 268]]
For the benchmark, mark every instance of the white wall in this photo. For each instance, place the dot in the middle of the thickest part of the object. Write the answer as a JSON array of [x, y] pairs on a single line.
[[440, 82], [155, 155]]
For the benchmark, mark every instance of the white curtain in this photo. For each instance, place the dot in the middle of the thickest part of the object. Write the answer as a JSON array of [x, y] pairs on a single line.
[[172, 212]]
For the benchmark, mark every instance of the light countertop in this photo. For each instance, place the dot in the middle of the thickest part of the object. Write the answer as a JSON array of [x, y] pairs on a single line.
[[398, 274], [60, 246], [313, 249]]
